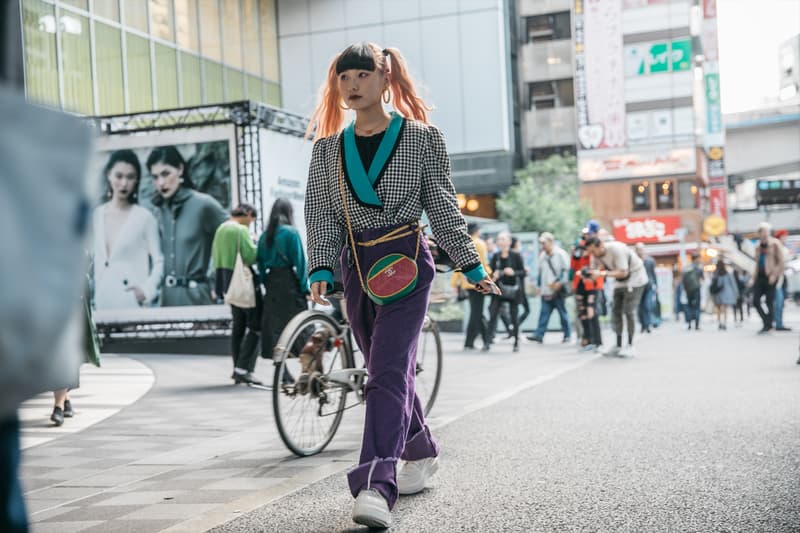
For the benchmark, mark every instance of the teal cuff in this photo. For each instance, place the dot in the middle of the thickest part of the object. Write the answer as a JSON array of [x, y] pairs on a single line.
[[322, 274], [475, 274]]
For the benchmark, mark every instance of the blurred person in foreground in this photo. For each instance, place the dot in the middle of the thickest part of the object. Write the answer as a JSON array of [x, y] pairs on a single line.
[[476, 326], [231, 240], [768, 272], [627, 269], [188, 220], [646, 305], [127, 262], [43, 268], [552, 281]]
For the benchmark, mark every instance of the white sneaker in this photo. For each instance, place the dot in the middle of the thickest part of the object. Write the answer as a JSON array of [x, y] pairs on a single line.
[[628, 351], [414, 475], [611, 351], [371, 510]]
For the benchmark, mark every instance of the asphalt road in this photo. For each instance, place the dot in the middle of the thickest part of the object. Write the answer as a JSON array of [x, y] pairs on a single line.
[[699, 432]]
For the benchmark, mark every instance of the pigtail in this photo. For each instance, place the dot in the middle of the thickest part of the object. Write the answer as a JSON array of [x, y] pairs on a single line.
[[404, 94], [328, 115]]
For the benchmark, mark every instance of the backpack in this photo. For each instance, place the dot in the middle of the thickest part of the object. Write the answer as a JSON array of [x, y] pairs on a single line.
[[716, 285], [690, 279]]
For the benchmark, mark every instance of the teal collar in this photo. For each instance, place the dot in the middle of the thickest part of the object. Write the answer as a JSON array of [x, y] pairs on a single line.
[[361, 180]]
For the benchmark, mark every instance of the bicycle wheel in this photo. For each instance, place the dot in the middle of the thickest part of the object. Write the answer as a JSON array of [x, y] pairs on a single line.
[[429, 364], [307, 405]]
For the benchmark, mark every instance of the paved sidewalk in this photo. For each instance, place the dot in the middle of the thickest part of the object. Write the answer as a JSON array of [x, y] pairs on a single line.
[[196, 451]]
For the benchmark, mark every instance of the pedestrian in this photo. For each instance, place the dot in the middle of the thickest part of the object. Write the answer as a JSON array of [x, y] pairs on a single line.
[[692, 283], [128, 264], [232, 239], [724, 291], [187, 220], [508, 270], [476, 326], [284, 273], [780, 287], [552, 284], [586, 289], [630, 278], [741, 288], [516, 246], [768, 271], [646, 305], [368, 186]]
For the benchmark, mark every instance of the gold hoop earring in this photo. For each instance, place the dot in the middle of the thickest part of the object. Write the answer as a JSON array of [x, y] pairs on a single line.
[[343, 106], [387, 95]]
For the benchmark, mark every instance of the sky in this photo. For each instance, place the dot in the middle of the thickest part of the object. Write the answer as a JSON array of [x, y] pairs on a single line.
[[750, 32]]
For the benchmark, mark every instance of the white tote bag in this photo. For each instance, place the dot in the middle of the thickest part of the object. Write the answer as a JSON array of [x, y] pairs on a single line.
[[241, 292]]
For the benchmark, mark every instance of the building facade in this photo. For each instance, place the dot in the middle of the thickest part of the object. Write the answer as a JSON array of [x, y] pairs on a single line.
[[106, 57], [649, 125], [458, 52], [545, 72]]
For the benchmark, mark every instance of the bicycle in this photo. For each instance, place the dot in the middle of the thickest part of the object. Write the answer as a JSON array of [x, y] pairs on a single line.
[[315, 371]]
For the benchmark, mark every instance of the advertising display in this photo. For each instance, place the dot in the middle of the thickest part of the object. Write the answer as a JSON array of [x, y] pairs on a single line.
[[600, 92], [647, 229], [642, 163], [163, 196], [284, 172], [657, 57]]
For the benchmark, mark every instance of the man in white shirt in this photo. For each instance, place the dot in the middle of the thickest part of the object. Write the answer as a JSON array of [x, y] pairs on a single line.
[[553, 274], [616, 260]]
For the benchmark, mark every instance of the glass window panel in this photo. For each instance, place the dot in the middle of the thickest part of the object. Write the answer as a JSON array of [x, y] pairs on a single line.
[[665, 195], [641, 196], [186, 24], [41, 61], [232, 34], [210, 39], [252, 45], [272, 93], [108, 52], [81, 4], [687, 195], [253, 88], [215, 93], [76, 63], [269, 40], [140, 79], [234, 80], [191, 84], [166, 76], [107, 8], [161, 19], [136, 14]]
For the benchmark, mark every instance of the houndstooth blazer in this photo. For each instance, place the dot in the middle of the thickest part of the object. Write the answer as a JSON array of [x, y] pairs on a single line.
[[416, 177]]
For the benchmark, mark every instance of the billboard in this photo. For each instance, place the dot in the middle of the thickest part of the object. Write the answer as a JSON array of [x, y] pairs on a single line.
[[659, 161], [647, 229], [163, 196], [284, 172], [643, 59]]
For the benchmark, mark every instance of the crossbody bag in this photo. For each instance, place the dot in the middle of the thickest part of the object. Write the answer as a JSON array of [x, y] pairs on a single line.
[[563, 292]]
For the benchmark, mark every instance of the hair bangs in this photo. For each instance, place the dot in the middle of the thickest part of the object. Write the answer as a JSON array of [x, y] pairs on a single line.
[[357, 56]]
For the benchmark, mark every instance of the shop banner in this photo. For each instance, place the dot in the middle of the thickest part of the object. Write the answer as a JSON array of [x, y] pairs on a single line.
[[718, 201], [603, 76], [647, 229], [658, 57], [638, 164], [713, 104]]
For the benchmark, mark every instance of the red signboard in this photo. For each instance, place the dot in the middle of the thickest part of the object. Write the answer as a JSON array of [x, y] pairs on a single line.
[[710, 9], [718, 200], [647, 229]]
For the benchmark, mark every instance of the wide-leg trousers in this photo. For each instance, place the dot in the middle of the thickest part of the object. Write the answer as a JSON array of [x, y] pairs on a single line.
[[387, 335]]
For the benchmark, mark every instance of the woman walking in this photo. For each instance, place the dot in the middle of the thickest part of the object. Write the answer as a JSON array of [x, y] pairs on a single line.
[[725, 293], [282, 266], [368, 185], [508, 270]]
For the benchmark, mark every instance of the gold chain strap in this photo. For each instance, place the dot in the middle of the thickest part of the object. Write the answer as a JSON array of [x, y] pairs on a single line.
[[397, 233]]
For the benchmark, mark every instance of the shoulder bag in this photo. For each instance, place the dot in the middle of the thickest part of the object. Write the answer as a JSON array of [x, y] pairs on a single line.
[[241, 291], [563, 291]]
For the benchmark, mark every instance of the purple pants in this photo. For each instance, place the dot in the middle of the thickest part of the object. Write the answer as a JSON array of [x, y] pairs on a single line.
[[387, 336]]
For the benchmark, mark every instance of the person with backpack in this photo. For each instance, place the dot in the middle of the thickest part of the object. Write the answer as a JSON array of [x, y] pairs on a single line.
[[553, 274], [691, 281], [725, 293]]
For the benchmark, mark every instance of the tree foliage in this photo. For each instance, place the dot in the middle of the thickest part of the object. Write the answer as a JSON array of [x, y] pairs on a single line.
[[545, 198]]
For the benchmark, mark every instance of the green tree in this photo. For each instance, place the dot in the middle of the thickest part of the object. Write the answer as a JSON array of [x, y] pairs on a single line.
[[545, 198]]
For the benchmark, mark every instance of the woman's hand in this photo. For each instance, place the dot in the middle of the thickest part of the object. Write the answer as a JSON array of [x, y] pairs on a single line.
[[318, 291], [138, 293], [508, 271], [487, 286]]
